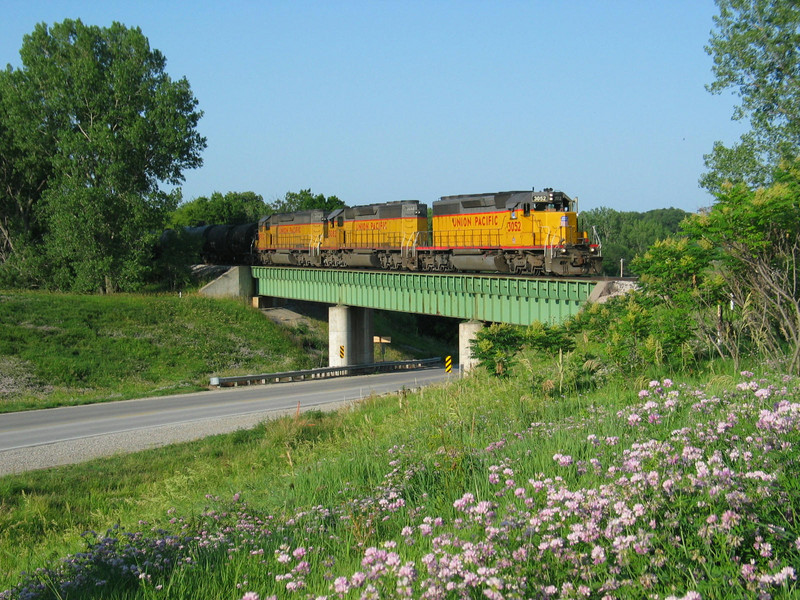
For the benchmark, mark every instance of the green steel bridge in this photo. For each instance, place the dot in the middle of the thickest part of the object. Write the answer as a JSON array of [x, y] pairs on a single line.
[[473, 297]]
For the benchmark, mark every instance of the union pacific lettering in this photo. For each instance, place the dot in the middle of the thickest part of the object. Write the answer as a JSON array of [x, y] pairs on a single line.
[[467, 221], [371, 225], [290, 228]]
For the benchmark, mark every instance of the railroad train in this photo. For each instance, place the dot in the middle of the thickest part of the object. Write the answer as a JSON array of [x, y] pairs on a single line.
[[526, 233]]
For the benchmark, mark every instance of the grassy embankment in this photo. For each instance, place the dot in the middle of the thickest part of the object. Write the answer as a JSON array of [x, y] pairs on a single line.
[[58, 349], [63, 349], [486, 488]]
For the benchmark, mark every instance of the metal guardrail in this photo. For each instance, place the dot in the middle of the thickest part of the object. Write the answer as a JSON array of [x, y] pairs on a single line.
[[323, 372]]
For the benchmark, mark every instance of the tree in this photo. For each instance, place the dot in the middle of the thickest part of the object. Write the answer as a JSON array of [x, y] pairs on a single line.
[[232, 209], [496, 346], [627, 234], [25, 164], [91, 127], [305, 200], [756, 52], [757, 234]]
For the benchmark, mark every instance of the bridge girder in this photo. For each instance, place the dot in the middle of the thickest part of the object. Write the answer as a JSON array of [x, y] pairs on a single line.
[[490, 298]]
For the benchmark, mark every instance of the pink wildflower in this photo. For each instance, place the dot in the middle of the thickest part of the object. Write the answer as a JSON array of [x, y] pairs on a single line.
[[598, 555], [341, 586], [461, 503], [563, 460]]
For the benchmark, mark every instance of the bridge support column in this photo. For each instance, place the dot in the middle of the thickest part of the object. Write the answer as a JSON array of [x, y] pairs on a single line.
[[467, 331], [350, 336]]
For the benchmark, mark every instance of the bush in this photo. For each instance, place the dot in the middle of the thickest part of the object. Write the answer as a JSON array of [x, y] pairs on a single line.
[[496, 346]]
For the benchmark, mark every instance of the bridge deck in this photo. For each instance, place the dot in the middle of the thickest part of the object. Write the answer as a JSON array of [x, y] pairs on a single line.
[[495, 298]]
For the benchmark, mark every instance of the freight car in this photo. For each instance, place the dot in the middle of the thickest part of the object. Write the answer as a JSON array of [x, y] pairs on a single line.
[[533, 233]]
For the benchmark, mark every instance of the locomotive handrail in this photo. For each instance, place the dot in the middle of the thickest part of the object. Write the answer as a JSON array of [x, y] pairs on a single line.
[[597, 241], [547, 244], [314, 246], [408, 247], [397, 365]]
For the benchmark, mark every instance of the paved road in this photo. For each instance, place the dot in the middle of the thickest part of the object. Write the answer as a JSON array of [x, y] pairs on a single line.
[[44, 438]]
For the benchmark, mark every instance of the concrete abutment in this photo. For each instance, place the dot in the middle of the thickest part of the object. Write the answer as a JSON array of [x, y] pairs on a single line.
[[467, 332], [350, 332]]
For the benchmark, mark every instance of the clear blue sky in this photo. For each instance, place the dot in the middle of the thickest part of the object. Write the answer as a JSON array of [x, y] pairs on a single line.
[[374, 101]]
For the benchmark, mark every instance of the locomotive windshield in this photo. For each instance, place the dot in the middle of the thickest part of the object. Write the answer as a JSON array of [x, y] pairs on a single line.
[[552, 201]]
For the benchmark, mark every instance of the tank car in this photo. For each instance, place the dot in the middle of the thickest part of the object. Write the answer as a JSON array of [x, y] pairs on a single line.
[[226, 244]]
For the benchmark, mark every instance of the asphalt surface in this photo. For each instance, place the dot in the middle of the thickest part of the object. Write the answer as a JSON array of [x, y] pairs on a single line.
[[45, 438]]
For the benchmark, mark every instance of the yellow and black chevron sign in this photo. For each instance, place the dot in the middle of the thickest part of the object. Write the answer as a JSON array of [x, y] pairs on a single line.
[[341, 351], [448, 363]]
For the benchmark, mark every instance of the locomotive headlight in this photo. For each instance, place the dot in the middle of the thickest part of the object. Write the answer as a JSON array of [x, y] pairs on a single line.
[[563, 250], [592, 250]]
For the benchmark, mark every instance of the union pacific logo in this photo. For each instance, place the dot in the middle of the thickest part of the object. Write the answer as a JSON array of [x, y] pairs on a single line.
[[371, 225], [475, 220]]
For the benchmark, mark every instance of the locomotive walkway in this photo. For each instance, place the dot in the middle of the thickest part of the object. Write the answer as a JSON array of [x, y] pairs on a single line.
[[475, 298]]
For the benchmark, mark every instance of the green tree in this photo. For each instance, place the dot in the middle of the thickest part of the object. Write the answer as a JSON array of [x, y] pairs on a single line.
[[108, 126], [496, 346], [757, 234], [305, 200], [25, 164], [682, 293], [627, 234], [232, 208], [755, 49]]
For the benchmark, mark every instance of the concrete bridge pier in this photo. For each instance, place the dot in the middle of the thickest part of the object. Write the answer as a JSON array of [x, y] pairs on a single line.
[[350, 336], [467, 332]]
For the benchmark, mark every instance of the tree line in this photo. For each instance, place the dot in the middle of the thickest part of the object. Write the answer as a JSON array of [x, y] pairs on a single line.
[[234, 208]]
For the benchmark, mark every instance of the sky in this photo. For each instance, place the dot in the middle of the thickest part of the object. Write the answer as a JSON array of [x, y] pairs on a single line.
[[374, 101]]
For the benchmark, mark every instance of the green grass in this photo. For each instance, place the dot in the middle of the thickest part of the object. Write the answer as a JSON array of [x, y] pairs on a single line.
[[439, 437], [60, 349]]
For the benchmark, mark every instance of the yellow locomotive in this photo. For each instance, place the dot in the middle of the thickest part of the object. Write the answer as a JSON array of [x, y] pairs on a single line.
[[517, 232], [528, 232], [376, 236]]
